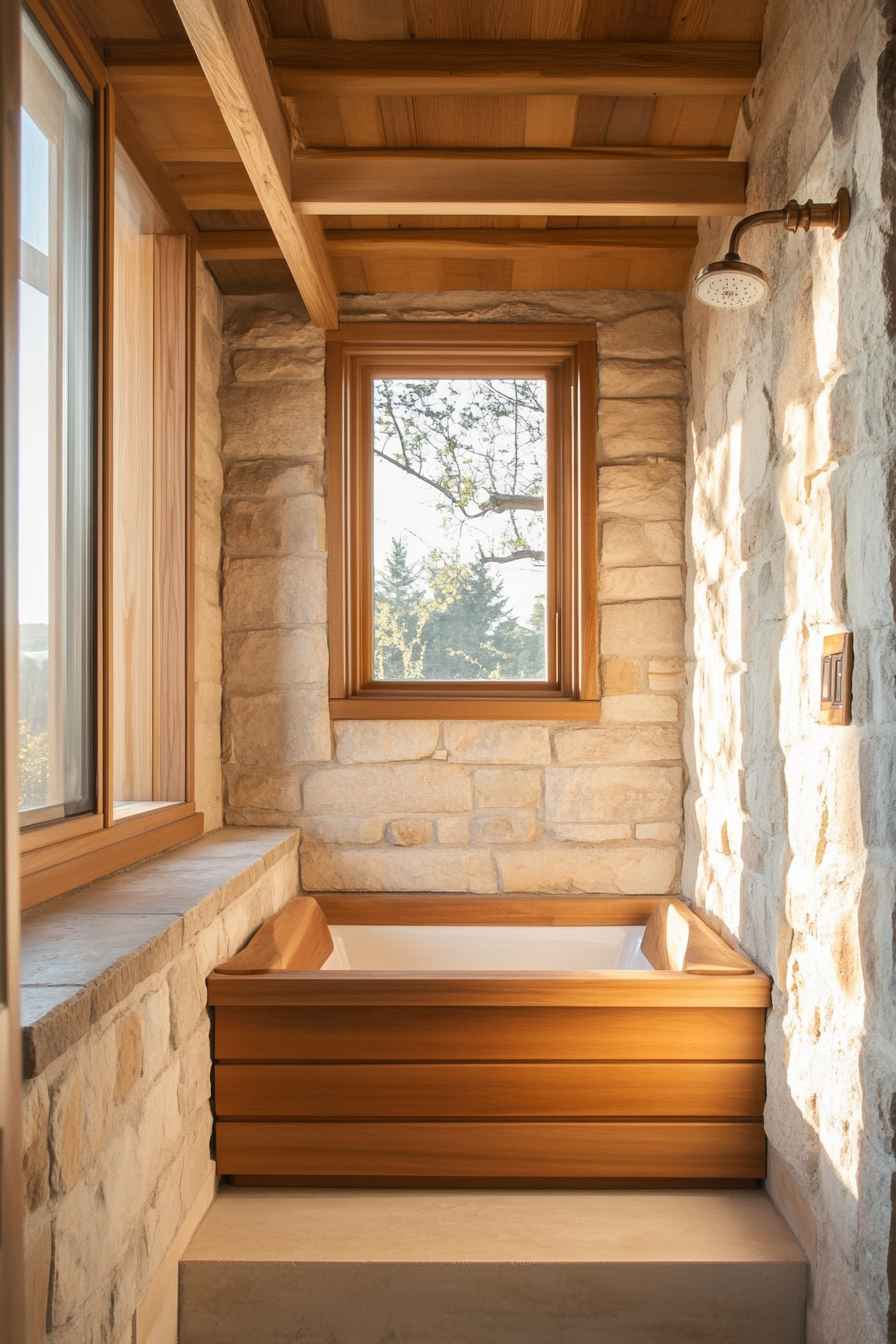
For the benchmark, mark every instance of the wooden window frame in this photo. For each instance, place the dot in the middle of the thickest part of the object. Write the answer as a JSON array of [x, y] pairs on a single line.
[[59, 856], [567, 357]]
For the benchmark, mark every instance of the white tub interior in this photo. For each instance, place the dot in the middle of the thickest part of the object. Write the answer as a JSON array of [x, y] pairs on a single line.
[[478, 947]]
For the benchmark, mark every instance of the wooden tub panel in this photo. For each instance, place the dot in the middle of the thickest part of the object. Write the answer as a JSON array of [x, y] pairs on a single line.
[[432, 1033], [528, 1151], [489, 1090]]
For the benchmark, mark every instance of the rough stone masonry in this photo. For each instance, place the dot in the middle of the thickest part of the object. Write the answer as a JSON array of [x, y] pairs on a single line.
[[454, 805]]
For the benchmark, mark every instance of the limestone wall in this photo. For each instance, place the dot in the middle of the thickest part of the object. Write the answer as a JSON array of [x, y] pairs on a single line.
[[453, 806], [792, 479], [209, 482], [117, 1125]]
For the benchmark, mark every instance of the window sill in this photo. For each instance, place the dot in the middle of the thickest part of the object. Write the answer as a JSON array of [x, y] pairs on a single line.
[[446, 707], [72, 862], [85, 952]]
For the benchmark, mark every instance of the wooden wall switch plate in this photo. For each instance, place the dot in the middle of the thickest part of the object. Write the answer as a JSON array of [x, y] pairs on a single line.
[[836, 680]]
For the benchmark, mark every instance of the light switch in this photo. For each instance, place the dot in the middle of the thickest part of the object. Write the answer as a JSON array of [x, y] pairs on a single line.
[[836, 679]]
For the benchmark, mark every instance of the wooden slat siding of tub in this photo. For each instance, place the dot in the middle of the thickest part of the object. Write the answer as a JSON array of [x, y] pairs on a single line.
[[449, 908], [481, 1091], [520, 1151], [488, 1034]]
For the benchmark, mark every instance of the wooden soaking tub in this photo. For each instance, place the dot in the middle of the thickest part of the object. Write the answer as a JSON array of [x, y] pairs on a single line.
[[605, 1072]]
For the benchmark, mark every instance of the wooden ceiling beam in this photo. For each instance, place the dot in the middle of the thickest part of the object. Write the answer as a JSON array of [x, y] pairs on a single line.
[[514, 182], [426, 68], [471, 244], [226, 42]]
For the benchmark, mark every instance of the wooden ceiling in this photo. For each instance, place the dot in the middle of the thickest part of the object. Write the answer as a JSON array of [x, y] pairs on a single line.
[[440, 144]]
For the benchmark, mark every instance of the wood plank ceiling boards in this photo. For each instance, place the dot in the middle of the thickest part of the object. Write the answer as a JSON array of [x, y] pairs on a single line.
[[418, 145]]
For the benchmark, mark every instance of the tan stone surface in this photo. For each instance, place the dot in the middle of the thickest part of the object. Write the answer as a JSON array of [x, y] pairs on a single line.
[[453, 831], [367, 740], [399, 787], [328, 868], [509, 828], [621, 676], [652, 335], [623, 870], [285, 421], [506, 788], [410, 831], [581, 745], [342, 830], [664, 831], [129, 1041], [496, 743], [287, 590], [281, 728], [639, 378], [608, 793], [642, 629], [276, 366], [640, 427], [260, 660], [590, 834], [639, 709], [268, 476], [666, 674], [625, 543], [649, 492], [633, 585]]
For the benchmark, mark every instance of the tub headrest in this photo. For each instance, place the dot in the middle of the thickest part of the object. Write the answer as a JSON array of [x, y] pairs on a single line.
[[297, 938], [675, 939]]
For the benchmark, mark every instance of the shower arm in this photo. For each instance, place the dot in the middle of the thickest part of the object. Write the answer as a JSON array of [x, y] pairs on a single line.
[[812, 215]]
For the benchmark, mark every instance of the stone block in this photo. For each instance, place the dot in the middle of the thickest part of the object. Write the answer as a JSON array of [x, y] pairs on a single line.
[[640, 378], [278, 793], [619, 746], [38, 1261], [303, 525], [453, 830], [652, 629], [251, 525], [368, 740], [504, 829], [283, 591], [283, 365], [654, 335], [639, 709], [409, 831], [607, 793], [507, 788], [666, 675], [36, 1143], [260, 660], [129, 1062], [623, 870], [264, 327], [261, 421], [388, 868], [664, 831], [493, 743], [279, 729], [634, 585], [647, 491], [621, 676], [624, 543], [65, 1130], [640, 427], [341, 830], [399, 787], [591, 835], [260, 478], [186, 994]]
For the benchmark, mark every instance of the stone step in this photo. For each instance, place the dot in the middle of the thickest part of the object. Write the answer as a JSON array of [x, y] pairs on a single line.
[[492, 1267]]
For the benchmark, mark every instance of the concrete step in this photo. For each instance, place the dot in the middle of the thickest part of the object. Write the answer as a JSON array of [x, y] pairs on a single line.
[[492, 1267]]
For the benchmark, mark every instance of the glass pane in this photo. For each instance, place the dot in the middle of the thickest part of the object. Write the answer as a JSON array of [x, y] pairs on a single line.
[[148, 501], [459, 536], [56, 440]]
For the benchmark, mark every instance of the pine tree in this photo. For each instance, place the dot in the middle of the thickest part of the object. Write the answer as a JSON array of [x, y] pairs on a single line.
[[399, 617]]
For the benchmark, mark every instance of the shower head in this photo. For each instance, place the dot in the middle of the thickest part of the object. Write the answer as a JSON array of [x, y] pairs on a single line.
[[733, 283]]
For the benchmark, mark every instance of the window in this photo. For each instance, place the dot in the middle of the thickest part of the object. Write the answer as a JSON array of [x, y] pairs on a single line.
[[57, 435], [104, 413], [462, 495]]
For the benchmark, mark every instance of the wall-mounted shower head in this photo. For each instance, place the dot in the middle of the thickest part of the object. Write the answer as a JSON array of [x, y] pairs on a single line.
[[733, 283]]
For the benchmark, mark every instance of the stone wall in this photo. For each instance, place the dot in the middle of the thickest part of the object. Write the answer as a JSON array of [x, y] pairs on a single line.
[[117, 1118], [454, 806], [209, 483], [791, 837]]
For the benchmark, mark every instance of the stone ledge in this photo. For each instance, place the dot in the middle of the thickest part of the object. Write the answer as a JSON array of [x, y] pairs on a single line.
[[85, 952]]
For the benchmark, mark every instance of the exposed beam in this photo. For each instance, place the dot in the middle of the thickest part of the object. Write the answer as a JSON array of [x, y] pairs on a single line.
[[339, 68], [513, 182], [473, 244], [226, 42], [511, 244]]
